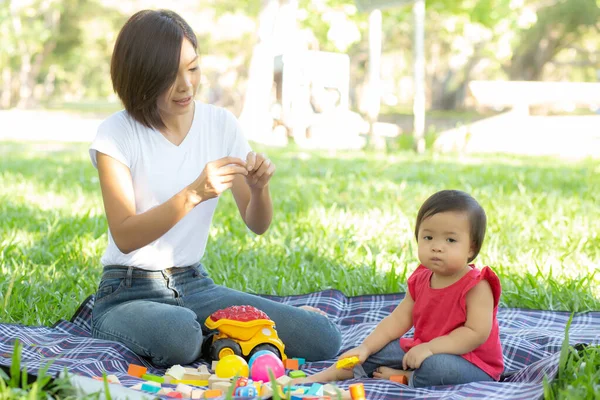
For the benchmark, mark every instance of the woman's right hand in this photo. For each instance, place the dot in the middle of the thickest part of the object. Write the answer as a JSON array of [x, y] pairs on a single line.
[[361, 352], [216, 177]]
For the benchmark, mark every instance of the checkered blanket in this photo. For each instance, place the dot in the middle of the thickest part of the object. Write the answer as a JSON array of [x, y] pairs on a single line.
[[531, 341]]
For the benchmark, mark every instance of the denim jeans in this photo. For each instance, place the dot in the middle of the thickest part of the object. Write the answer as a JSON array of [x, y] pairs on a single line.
[[436, 370], [160, 315]]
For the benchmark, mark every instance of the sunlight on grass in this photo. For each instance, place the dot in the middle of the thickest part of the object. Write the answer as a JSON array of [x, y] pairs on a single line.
[[342, 220]]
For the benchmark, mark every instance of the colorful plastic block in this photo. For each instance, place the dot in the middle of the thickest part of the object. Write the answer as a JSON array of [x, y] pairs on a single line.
[[148, 387], [297, 374], [190, 382], [348, 362], [399, 379], [291, 363], [136, 370], [153, 378], [212, 393]]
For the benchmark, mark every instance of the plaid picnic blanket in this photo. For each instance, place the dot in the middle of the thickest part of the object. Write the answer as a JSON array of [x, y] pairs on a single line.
[[531, 341]]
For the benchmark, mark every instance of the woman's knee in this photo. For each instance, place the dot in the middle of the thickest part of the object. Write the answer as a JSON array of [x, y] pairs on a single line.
[[179, 341], [326, 340]]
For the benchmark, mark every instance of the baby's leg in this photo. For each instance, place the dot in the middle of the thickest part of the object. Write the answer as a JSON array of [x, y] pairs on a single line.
[[329, 375], [447, 369], [387, 373], [390, 355], [385, 363]]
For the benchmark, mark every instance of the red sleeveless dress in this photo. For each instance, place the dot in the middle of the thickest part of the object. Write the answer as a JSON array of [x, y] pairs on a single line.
[[437, 312]]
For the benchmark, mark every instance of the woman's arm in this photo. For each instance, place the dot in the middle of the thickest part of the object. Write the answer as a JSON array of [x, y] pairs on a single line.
[[133, 231], [251, 193]]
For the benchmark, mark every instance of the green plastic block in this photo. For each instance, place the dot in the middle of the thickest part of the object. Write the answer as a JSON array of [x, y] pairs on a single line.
[[297, 374], [153, 378]]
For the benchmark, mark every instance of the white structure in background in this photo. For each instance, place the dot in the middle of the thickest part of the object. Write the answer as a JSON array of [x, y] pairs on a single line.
[[518, 132], [313, 100], [375, 37]]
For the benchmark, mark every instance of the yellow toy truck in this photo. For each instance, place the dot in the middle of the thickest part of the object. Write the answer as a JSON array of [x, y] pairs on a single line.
[[243, 331]]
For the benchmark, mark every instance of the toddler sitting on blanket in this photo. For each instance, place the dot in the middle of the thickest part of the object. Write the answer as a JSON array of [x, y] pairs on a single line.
[[451, 303]]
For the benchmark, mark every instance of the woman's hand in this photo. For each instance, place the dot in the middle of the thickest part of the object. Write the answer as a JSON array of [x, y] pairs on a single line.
[[216, 177], [260, 170]]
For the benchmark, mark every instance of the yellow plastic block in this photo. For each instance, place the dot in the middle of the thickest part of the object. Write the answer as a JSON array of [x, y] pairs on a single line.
[[193, 382], [348, 362]]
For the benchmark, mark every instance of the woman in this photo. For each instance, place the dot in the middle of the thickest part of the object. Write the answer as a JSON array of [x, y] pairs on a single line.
[[163, 162]]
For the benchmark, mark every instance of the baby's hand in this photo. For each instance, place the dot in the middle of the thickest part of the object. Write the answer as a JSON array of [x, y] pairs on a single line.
[[361, 352], [415, 356]]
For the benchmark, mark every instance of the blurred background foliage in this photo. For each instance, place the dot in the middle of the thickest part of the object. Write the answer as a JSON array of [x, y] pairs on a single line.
[[57, 52]]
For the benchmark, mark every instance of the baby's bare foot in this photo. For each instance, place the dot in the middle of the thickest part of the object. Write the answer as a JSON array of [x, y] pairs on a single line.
[[387, 372]]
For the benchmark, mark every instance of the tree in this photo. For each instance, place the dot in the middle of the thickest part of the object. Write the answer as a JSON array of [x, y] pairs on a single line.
[[559, 24]]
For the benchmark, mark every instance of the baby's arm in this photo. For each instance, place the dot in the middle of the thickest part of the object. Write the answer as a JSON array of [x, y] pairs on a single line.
[[477, 327], [391, 327]]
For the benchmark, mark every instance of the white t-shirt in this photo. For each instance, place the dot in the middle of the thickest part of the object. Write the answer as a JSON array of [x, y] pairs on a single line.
[[159, 170]]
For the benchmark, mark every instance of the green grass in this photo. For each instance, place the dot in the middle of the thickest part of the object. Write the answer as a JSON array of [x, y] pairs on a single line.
[[342, 221]]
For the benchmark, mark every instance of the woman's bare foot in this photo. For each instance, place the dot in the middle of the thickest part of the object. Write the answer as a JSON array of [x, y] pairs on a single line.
[[387, 372], [309, 308]]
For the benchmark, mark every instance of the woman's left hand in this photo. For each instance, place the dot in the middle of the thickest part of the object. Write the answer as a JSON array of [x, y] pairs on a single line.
[[260, 170]]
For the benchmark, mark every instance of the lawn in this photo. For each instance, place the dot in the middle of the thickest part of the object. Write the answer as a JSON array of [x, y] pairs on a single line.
[[342, 221]]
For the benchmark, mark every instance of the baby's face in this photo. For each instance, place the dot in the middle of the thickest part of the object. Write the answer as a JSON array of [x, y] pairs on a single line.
[[445, 244]]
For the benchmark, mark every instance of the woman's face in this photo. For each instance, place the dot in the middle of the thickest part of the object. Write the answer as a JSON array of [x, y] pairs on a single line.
[[178, 99]]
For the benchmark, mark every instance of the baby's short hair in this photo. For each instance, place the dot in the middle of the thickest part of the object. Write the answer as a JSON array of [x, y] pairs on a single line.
[[456, 200]]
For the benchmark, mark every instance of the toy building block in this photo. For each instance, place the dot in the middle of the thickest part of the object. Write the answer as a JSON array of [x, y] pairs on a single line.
[[284, 380], [137, 386], [175, 395], [196, 376], [176, 372], [294, 390], [203, 369], [297, 374], [331, 390], [222, 386], [399, 379], [153, 378], [213, 366], [316, 389], [266, 391], [136, 370], [213, 379], [165, 391], [291, 363], [301, 361], [197, 394], [151, 387], [113, 379], [185, 390], [357, 391], [212, 394], [192, 382], [347, 362]]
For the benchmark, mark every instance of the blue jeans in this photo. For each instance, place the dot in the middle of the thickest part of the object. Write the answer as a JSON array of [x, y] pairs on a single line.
[[436, 370], [160, 315]]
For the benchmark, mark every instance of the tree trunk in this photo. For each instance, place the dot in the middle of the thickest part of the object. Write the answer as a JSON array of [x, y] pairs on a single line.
[[255, 117], [6, 88]]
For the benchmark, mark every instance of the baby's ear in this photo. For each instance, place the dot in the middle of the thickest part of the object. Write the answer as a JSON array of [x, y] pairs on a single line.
[[472, 250]]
